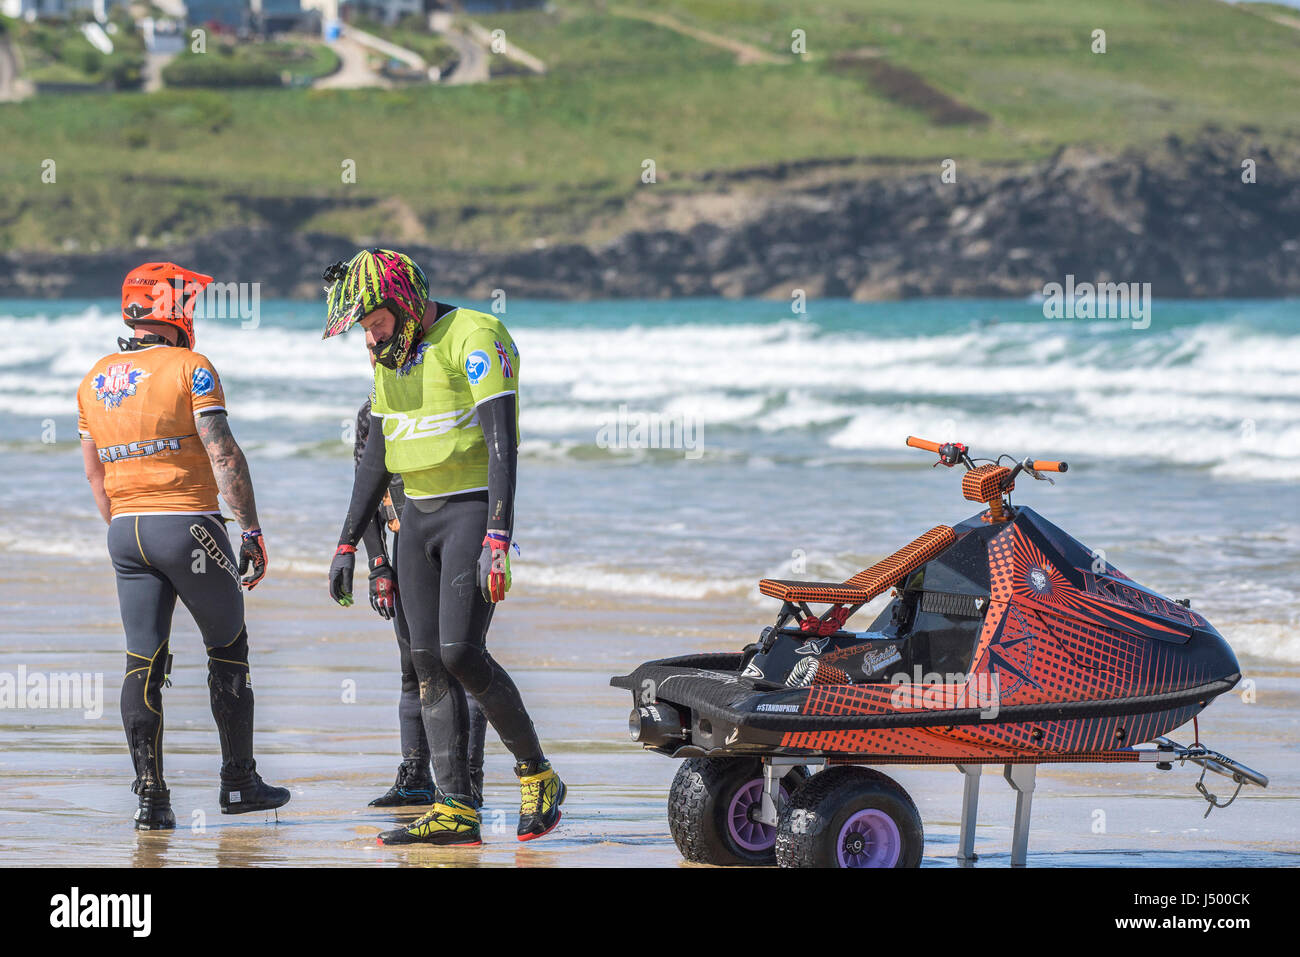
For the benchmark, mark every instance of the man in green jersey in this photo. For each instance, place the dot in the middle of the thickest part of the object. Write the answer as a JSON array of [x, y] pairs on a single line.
[[446, 418]]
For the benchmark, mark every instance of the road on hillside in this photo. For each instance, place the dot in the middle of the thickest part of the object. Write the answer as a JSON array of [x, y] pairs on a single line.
[[355, 71], [153, 67], [8, 71], [745, 52], [473, 64]]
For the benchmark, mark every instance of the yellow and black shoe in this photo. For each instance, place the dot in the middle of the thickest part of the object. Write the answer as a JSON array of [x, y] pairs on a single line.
[[450, 822], [541, 792]]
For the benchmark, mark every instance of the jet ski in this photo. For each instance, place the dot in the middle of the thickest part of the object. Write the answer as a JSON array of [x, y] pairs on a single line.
[[1005, 641]]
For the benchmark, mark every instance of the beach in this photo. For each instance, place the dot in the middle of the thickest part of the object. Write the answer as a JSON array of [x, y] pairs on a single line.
[[62, 773]]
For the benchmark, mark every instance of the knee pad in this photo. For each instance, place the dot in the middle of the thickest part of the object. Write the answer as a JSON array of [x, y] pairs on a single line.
[[149, 675], [430, 674], [469, 664], [228, 665], [234, 652]]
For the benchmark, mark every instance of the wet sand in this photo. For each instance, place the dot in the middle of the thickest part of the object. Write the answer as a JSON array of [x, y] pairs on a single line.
[[64, 774]]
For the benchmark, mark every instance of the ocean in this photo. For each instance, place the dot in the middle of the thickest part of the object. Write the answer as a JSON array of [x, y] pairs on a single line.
[[685, 449]]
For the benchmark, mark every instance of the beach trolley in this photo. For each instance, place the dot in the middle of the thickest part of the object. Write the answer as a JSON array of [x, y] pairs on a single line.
[[1006, 643]]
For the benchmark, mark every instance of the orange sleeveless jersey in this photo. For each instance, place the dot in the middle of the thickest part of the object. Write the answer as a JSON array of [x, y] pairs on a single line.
[[139, 409]]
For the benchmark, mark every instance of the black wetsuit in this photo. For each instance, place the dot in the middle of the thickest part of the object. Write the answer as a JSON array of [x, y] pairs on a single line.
[[157, 559], [448, 617], [415, 742], [166, 540]]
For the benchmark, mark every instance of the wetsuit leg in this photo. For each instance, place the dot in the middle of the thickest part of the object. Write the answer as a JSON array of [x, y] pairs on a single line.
[[442, 699], [415, 743], [410, 721], [214, 598], [463, 619], [146, 600], [478, 724]]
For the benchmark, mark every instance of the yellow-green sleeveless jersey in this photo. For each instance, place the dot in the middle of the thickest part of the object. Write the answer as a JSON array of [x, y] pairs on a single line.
[[432, 436]]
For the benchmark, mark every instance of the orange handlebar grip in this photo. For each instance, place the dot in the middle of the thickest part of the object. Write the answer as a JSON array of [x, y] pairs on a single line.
[[1041, 466], [916, 443]]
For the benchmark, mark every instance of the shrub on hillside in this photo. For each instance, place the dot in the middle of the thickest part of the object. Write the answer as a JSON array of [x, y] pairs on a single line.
[[219, 69]]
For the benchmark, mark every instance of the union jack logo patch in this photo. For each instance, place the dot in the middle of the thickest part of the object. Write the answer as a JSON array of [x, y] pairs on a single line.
[[118, 382], [507, 368]]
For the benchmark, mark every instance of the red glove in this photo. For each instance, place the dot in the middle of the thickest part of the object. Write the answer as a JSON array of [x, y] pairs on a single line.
[[383, 588], [494, 567]]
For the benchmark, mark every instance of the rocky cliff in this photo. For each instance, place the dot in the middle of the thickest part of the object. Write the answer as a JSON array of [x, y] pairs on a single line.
[[1179, 217]]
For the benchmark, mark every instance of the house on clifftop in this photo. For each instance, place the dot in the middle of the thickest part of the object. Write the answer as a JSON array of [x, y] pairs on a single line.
[[56, 9]]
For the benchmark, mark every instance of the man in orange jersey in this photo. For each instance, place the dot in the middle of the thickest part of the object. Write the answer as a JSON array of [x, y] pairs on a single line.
[[157, 448]]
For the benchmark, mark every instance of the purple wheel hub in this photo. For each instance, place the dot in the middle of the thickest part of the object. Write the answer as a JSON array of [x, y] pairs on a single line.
[[869, 838], [745, 829]]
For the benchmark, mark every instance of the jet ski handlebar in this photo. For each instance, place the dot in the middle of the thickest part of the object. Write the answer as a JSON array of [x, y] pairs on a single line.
[[955, 453], [950, 453], [926, 444]]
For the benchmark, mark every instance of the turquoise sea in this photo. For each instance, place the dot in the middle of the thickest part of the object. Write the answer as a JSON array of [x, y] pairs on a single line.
[[684, 449]]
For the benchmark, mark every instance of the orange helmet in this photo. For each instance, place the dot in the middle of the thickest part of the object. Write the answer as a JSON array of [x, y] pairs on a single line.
[[163, 292]]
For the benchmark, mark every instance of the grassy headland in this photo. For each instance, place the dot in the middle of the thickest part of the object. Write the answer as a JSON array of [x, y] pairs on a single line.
[[560, 156]]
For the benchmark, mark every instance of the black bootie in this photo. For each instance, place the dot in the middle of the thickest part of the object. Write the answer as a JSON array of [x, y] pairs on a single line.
[[155, 810], [414, 785], [244, 791]]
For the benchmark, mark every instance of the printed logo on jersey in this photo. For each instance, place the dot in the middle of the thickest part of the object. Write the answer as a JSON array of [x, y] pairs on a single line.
[[416, 358], [135, 450], [506, 367], [477, 365], [117, 383], [203, 382], [403, 428]]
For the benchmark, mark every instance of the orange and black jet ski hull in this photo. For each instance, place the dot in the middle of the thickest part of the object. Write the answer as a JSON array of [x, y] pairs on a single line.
[[1015, 641], [724, 712]]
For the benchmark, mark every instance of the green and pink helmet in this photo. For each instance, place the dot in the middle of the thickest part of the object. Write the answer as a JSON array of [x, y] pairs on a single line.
[[373, 279]]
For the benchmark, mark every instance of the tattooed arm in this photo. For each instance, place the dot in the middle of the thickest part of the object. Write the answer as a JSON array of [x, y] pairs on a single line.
[[229, 467], [95, 476]]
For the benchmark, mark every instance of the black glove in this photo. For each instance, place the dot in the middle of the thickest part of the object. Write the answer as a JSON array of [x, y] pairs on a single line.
[[494, 567], [383, 588], [345, 561], [252, 555]]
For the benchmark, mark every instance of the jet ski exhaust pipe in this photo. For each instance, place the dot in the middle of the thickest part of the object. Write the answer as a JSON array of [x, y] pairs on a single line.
[[657, 725]]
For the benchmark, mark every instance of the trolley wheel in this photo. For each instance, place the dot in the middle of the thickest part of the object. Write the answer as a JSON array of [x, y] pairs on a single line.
[[849, 816], [711, 809]]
